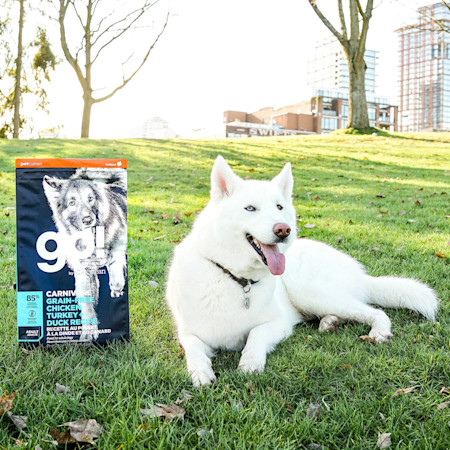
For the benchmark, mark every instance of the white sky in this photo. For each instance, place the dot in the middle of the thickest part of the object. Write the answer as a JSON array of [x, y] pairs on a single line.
[[218, 55]]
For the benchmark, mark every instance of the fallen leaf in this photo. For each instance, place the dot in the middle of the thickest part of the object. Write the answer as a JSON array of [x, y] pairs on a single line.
[[84, 430], [381, 195], [19, 421], [204, 433], [169, 412], [317, 197], [339, 240], [6, 402], [445, 390], [314, 410], [400, 391], [418, 202], [367, 339], [90, 385], [440, 255], [63, 438], [164, 216], [250, 386], [309, 225], [384, 440], [443, 405], [402, 212], [177, 218], [153, 283], [347, 366], [61, 389]]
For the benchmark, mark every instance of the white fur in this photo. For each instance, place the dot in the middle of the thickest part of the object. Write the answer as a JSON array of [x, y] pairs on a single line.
[[319, 281]]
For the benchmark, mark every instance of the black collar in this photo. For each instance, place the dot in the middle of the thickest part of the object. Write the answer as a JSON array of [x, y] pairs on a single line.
[[244, 282]]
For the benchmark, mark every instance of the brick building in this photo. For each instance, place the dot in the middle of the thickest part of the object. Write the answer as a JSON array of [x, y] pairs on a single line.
[[325, 112]]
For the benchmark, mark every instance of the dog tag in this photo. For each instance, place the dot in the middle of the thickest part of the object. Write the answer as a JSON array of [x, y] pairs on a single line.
[[247, 289]]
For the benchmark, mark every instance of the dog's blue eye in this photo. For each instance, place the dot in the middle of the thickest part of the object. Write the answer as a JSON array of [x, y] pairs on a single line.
[[279, 207], [250, 208]]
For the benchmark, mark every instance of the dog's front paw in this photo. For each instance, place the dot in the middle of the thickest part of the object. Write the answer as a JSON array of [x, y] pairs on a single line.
[[202, 377], [116, 293], [380, 336], [251, 363]]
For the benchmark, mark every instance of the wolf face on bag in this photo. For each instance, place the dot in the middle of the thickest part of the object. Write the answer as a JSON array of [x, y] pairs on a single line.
[[90, 212], [241, 280]]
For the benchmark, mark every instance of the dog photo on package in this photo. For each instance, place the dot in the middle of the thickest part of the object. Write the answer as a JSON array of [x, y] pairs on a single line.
[[71, 250]]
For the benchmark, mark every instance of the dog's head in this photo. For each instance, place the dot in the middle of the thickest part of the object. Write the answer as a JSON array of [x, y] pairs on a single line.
[[258, 216], [75, 202]]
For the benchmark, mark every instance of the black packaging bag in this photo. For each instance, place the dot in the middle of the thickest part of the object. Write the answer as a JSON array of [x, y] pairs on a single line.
[[72, 283]]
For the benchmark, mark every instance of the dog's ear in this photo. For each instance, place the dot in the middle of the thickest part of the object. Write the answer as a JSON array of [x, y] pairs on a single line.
[[223, 179], [52, 188], [285, 181]]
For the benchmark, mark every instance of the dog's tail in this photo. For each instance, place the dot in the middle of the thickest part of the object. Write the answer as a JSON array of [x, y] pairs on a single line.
[[396, 292]]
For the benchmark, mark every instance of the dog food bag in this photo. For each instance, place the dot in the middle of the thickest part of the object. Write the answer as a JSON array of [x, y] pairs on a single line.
[[71, 250]]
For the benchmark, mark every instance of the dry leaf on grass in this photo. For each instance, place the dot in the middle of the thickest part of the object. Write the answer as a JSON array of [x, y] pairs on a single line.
[[309, 225], [81, 430], [19, 421], [63, 438], [169, 412], [384, 440], [250, 386], [443, 405], [445, 390], [6, 402], [367, 339], [314, 410], [61, 389], [400, 391], [440, 255]]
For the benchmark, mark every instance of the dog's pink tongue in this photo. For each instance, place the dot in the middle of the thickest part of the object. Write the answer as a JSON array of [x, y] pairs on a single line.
[[275, 259]]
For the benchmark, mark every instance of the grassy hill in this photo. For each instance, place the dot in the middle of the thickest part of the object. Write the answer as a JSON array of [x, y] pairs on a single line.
[[383, 200]]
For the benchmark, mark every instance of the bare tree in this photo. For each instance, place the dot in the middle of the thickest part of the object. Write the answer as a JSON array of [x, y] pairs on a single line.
[[354, 46], [17, 88], [22, 77], [98, 32]]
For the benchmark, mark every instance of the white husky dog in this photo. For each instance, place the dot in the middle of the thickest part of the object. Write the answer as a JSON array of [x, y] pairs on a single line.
[[241, 280]]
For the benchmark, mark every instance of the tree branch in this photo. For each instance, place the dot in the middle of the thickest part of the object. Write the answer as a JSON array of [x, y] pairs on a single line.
[[365, 27], [142, 10], [71, 60], [342, 19], [120, 32], [127, 80], [327, 23]]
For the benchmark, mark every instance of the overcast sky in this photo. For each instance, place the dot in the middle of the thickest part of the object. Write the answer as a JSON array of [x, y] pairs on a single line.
[[219, 55]]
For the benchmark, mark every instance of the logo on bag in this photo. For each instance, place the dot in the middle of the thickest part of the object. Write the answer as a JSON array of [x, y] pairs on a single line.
[[81, 244]]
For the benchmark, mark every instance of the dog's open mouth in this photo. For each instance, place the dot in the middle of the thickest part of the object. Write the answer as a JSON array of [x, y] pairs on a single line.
[[270, 255]]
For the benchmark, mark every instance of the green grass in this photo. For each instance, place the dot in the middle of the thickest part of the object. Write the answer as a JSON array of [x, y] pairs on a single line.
[[383, 200]]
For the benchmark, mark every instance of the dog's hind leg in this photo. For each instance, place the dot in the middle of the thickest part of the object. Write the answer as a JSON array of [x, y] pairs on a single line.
[[352, 309], [198, 360], [329, 323]]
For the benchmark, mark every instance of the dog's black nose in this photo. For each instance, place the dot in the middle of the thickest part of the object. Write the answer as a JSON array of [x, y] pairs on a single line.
[[87, 220], [282, 230]]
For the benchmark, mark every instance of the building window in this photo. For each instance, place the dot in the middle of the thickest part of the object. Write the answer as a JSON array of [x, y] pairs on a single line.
[[345, 111], [329, 123], [372, 113]]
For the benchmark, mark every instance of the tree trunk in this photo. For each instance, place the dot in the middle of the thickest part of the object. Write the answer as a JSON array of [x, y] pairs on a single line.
[[358, 116], [17, 87], [86, 120]]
